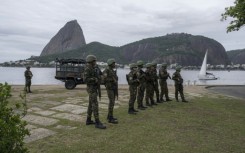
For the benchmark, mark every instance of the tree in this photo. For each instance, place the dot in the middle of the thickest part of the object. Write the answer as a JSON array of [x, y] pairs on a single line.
[[12, 128], [237, 12]]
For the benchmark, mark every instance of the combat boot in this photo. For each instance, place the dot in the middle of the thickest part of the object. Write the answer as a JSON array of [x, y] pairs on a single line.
[[185, 101], [153, 103], [130, 111], [159, 101], [112, 120], [141, 108], [168, 100], [99, 125], [134, 110], [89, 121]]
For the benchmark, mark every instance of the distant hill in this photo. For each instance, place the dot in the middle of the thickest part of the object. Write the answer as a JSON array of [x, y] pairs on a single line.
[[237, 56], [181, 48]]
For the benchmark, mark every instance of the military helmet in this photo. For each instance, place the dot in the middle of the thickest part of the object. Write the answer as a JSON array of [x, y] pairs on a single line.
[[164, 64], [28, 67], [133, 65], [91, 58], [178, 68], [154, 64], [148, 65], [111, 61], [140, 63]]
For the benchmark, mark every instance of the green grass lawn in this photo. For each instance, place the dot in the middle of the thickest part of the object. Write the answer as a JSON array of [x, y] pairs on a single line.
[[208, 125]]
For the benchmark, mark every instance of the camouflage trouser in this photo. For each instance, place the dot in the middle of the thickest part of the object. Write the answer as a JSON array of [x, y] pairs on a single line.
[[133, 94], [156, 90], [164, 89], [28, 85], [179, 89], [140, 95], [93, 106], [149, 93], [111, 96]]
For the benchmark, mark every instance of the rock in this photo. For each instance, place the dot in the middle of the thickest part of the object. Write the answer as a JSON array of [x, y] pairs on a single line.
[[68, 38]]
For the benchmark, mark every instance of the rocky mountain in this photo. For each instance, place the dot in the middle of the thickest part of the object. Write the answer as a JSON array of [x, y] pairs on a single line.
[[237, 56], [68, 38], [181, 48]]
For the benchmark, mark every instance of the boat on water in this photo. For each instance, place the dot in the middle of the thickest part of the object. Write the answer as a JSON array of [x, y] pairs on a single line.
[[203, 74]]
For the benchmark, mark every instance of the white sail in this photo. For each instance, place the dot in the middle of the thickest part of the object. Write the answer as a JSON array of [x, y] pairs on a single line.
[[203, 75], [204, 65]]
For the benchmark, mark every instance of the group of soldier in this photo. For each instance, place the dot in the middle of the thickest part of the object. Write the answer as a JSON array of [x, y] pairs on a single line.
[[141, 84]]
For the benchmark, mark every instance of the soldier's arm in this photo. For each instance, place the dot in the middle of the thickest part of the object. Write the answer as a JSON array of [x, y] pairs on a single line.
[[106, 78]]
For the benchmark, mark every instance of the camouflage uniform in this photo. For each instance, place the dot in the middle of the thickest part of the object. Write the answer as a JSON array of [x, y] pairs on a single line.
[[163, 76], [133, 84], [91, 78], [155, 84], [178, 83], [28, 77], [110, 79], [149, 85], [141, 87]]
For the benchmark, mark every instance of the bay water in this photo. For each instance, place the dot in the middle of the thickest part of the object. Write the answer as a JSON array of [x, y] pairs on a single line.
[[46, 76]]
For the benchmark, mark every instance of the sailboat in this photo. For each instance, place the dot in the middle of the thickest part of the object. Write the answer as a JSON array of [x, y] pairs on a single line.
[[203, 74]]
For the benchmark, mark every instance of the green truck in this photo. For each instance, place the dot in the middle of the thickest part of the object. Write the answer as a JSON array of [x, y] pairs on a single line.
[[70, 71]]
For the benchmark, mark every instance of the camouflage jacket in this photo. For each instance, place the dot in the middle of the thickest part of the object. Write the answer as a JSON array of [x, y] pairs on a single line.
[[28, 74], [155, 76], [149, 76], [110, 78], [163, 74], [177, 78], [141, 76], [132, 78], [91, 76]]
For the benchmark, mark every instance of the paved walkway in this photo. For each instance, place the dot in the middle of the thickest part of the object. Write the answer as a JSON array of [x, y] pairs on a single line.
[[53, 109]]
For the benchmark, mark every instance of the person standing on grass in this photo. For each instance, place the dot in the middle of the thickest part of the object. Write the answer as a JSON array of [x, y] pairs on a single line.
[[92, 80], [156, 84], [28, 77], [111, 82], [133, 83], [163, 76], [178, 83], [149, 84], [141, 87]]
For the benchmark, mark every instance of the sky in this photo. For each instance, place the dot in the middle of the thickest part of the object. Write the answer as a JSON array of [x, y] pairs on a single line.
[[26, 26]]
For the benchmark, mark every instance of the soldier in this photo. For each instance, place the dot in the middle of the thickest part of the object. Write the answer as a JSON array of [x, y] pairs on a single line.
[[141, 87], [149, 85], [163, 76], [92, 80], [28, 77], [111, 78], [178, 83], [133, 84], [156, 84]]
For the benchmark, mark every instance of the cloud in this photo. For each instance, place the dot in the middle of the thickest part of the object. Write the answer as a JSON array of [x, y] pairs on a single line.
[[26, 26]]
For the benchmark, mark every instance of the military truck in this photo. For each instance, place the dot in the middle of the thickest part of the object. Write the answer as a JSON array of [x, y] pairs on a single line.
[[70, 71]]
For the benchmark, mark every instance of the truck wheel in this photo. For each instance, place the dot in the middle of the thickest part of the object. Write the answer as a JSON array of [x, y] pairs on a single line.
[[70, 84]]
